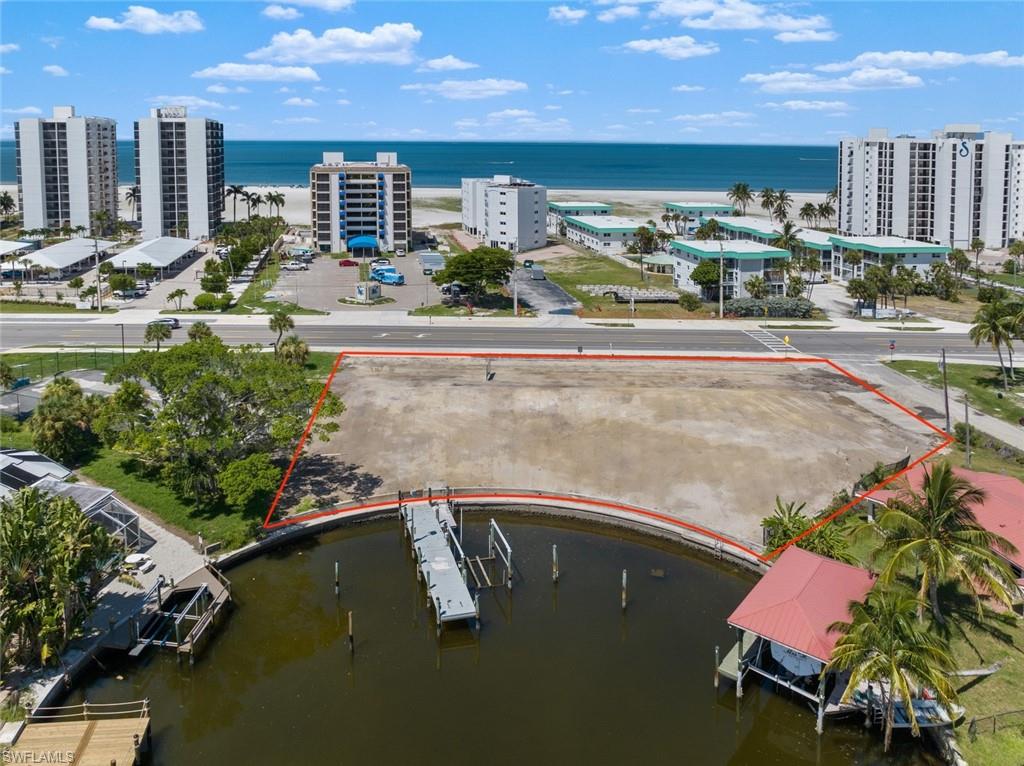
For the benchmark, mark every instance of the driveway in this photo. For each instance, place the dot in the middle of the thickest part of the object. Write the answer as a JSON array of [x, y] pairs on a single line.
[[543, 295]]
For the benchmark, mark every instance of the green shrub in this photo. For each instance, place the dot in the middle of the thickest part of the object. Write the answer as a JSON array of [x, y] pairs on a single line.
[[207, 302], [690, 302], [779, 307], [990, 293]]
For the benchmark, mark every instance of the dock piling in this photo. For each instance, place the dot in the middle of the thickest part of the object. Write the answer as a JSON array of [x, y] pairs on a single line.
[[351, 635], [623, 590], [337, 580], [554, 564], [716, 665]]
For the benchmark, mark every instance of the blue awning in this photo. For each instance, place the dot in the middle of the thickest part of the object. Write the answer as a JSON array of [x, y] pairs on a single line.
[[363, 240]]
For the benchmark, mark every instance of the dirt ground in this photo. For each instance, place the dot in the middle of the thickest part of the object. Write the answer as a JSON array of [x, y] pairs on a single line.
[[712, 443]]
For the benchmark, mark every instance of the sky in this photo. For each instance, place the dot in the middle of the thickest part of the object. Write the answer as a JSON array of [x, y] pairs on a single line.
[[674, 71]]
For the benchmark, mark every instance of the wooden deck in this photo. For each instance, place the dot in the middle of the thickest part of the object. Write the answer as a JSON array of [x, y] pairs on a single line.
[[89, 743]]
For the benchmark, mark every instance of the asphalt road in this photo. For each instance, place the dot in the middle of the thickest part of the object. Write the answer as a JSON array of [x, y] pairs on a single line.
[[847, 345]]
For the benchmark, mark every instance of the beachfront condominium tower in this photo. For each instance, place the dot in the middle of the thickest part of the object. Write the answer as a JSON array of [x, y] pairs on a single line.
[[957, 185], [505, 212], [361, 206], [179, 171], [66, 168]]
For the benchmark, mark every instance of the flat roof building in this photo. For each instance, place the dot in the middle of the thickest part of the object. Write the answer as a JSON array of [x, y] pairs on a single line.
[[742, 259], [699, 209], [179, 171], [70, 256], [505, 211], [361, 206], [66, 169], [767, 232], [603, 233], [557, 211], [162, 253], [958, 184], [910, 253]]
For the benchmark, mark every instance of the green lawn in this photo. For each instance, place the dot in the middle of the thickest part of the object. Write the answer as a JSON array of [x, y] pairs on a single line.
[[42, 365], [1014, 280], [961, 311], [493, 304], [42, 307], [983, 385]]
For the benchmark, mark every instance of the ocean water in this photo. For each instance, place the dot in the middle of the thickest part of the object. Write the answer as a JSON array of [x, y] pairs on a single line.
[[704, 167]]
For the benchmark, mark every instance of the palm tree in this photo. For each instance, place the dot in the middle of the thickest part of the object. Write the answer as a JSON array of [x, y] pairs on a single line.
[[883, 644], [826, 211], [132, 197], [782, 204], [977, 245], [293, 350], [741, 195], [101, 221], [832, 195], [275, 199], [809, 212], [157, 332], [199, 331], [853, 258], [256, 200], [234, 191], [934, 533], [7, 204], [177, 296], [993, 325], [788, 238], [768, 201], [247, 196], [280, 322]]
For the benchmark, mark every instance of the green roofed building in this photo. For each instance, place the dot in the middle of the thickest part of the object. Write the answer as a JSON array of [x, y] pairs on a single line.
[[910, 253], [766, 232], [742, 259], [557, 211], [603, 233], [691, 213]]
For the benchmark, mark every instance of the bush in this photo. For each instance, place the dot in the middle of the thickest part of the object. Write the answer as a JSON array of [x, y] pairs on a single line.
[[778, 307], [690, 302], [207, 302], [990, 293], [960, 433], [1009, 266]]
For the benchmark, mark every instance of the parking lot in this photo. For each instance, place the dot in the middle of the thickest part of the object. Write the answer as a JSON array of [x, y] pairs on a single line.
[[325, 282]]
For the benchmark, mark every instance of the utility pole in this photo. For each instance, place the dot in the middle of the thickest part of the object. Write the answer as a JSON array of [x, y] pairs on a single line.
[[945, 390], [721, 279], [515, 292], [99, 284], [122, 342], [967, 429]]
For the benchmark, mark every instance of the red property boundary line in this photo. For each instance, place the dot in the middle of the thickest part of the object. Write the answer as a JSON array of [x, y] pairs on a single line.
[[609, 504]]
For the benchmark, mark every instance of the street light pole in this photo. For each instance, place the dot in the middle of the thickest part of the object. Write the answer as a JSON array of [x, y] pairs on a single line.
[[721, 279], [122, 342], [967, 429], [99, 284], [945, 389]]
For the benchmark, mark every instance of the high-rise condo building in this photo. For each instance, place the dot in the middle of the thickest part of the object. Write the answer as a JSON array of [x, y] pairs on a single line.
[[179, 171], [66, 169], [361, 205], [505, 212], [948, 189]]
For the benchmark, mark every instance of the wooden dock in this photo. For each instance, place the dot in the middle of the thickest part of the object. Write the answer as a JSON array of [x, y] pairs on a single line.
[[85, 735]]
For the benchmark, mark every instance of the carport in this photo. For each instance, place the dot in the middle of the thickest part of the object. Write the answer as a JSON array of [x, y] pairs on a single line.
[[163, 253], [362, 246], [69, 256]]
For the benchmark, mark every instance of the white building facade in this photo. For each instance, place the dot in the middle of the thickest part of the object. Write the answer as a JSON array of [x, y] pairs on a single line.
[[741, 260], [957, 185], [909, 253], [179, 171], [505, 212], [603, 233], [557, 212], [354, 202], [66, 169]]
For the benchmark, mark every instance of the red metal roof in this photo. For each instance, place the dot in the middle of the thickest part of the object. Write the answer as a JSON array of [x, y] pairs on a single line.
[[798, 598], [1003, 509]]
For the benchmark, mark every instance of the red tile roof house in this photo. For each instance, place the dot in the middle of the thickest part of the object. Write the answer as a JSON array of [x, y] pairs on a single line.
[[1001, 513], [788, 613]]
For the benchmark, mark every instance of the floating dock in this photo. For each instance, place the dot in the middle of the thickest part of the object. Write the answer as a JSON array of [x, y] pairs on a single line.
[[89, 734]]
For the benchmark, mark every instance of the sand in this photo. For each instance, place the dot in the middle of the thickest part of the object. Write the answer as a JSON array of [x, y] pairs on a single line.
[[427, 209]]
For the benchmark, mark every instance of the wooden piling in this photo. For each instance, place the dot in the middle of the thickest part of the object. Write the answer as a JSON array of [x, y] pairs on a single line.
[[623, 590], [554, 563], [716, 666], [337, 580], [351, 635]]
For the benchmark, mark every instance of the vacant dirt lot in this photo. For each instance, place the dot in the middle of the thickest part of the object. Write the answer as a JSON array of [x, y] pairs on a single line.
[[710, 442]]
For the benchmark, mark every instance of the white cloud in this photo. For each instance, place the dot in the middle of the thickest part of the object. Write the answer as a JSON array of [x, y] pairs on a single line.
[[552, 107], [384, 44], [674, 48], [24, 110], [809, 106], [868, 78], [296, 101], [5, 70], [467, 122], [509, 114], [741, 14], [218, 88], [807, 36], [52, 40], [342, 102], [280, 12], [321, 89], [139, 18], [465, 90], [618, 12], [616, 126], [447, 63], [9, 47], [297, 121], [192, 102], [252, 72], [689, 129], [56, 70], [728, 119], [687, 88], [563, 14], [325, 5], [638, 110], [923, 60], [284, 89]]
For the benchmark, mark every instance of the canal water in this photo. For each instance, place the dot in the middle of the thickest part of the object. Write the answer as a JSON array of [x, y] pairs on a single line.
[[558, 674]]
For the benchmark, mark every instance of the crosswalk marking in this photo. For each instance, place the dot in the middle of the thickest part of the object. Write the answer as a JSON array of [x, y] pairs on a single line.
[[770, 341]]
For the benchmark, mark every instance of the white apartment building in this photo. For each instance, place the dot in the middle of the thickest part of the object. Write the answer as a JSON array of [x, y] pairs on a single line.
[[66, 169], [959, 184], [179, 169], [603, 233], [361, 206], [741, 260], [505, 211], [557, 212], [912, 254]]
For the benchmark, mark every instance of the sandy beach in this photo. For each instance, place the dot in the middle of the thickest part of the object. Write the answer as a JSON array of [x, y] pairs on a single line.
[[434, 206]]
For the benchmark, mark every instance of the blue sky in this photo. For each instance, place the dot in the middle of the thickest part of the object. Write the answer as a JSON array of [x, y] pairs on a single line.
[[686, 71]]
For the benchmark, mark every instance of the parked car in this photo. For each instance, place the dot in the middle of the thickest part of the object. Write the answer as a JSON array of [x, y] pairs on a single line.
[[387, 275], [295, 266], [135, 292], [380, 262], [536, 272], [528, 263], [347, 262], [171, 322], [400, 252]]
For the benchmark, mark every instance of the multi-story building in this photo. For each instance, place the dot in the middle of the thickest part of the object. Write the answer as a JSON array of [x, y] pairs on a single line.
[[603, 233], [691, 213], [66, 169], [909, 253], [361, 205], [767, 233], [179, 171], [957, 185], [505, 212], [741, 260], [557, 212]]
